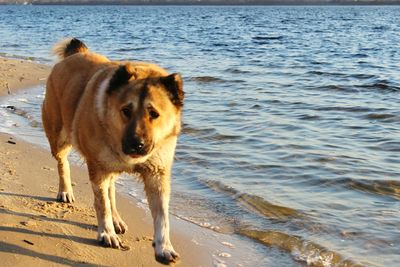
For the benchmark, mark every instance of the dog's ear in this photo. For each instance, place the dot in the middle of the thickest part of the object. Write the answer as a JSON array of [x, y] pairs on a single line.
[[174, 85], [121, 77]]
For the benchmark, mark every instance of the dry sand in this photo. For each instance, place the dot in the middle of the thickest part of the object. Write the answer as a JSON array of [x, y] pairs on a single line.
[[37, 231], [16, 74]]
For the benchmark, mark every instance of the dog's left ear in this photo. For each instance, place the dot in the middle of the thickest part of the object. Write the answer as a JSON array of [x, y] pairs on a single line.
[[121, 77], [174, 85]]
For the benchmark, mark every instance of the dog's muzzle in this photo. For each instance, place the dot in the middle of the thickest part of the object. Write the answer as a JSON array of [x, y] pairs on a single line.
[[134, 147]]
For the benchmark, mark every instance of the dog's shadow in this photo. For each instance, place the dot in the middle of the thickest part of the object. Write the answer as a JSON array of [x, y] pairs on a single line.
[[41, 217], [27, 196], [14, 249], [83, 240]]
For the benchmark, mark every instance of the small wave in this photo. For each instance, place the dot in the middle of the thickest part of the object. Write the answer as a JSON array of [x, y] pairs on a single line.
[[35, 59], [255, 203], [381, 28], [325, 73], [237, 71], [385, 188], [123, 50], [315, 62], [130, 49], [309, 117], [301, 250], [207, 79], [386, 117], [220, 44], [359, 76], [256, 106], [333, 87], [362, 76], [24, 100], [390, 146], [348, 109], [359, 55], [266, 38], [8, 45], [383, 85], [208, 133], [20, 112], [390, 188], [267, 209], [186, 129]]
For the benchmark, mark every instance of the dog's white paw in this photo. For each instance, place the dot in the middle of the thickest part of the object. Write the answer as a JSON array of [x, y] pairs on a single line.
[[109, 239], [66, 196], [119, 225], [166, 254]]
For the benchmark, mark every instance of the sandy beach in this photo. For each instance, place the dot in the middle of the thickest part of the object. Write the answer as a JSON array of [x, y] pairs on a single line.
[[37, 231], [17, 74]]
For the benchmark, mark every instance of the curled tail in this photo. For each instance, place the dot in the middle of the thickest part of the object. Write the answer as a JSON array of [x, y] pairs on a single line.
[[68, 47]]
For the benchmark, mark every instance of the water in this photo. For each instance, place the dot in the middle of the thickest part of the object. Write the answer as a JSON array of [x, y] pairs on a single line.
[[291, 132]]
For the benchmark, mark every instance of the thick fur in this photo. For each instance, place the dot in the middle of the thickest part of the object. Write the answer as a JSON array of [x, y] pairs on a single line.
[[122, 117]]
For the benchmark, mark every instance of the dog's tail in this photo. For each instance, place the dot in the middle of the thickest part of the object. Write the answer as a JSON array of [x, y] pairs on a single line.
[[68, 47]]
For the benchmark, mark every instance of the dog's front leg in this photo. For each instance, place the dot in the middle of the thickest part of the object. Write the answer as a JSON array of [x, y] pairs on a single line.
[[157, 187], [101, 186], [119, 225]]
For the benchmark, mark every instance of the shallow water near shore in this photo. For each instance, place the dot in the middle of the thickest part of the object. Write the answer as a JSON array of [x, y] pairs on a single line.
[[291, 128]]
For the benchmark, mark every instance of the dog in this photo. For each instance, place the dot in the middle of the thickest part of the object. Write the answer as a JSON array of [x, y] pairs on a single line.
[[122, 117]]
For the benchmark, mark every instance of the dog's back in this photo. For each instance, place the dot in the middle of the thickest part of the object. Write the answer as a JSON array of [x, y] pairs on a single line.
[[67, 81]]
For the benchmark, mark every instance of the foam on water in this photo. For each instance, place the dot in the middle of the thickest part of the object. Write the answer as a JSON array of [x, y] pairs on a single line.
[[302, 250]]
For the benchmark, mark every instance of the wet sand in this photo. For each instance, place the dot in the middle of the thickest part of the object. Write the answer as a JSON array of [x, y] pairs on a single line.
[[35, 230]]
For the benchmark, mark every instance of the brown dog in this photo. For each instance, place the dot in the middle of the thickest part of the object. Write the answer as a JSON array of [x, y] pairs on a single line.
[[122, 117]]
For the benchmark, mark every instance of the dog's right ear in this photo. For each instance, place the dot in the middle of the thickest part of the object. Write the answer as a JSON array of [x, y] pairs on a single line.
[[121, 77]]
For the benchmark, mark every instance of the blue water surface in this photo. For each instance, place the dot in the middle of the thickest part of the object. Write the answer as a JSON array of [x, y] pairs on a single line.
[[291, 119]]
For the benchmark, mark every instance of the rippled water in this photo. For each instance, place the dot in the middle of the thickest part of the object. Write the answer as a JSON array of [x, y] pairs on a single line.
[[292, 124]]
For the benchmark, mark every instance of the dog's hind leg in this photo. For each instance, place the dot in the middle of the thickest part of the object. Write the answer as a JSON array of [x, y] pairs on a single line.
[[119, 225], [60, 150], [59, 144], [65, 192], [102, 204]]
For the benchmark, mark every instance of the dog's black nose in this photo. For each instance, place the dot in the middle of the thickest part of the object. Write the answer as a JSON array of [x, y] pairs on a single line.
[[134, 146], [137, 145]]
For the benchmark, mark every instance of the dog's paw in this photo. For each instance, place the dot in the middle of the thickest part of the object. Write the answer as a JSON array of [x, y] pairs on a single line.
[[109, 239], [66, 196], [119, 225], [166, 255]]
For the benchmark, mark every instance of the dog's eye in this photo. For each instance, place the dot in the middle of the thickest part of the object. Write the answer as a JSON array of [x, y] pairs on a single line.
[[127, 112], [153, 114]]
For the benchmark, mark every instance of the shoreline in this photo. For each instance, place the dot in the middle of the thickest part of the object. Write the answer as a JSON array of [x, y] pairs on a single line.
[[37, 230]]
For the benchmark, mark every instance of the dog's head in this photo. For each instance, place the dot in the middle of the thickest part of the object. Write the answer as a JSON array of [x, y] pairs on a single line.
[[142, 112]]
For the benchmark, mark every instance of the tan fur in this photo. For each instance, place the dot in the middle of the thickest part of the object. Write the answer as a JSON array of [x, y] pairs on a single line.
[[78, 111], [60, 48]]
